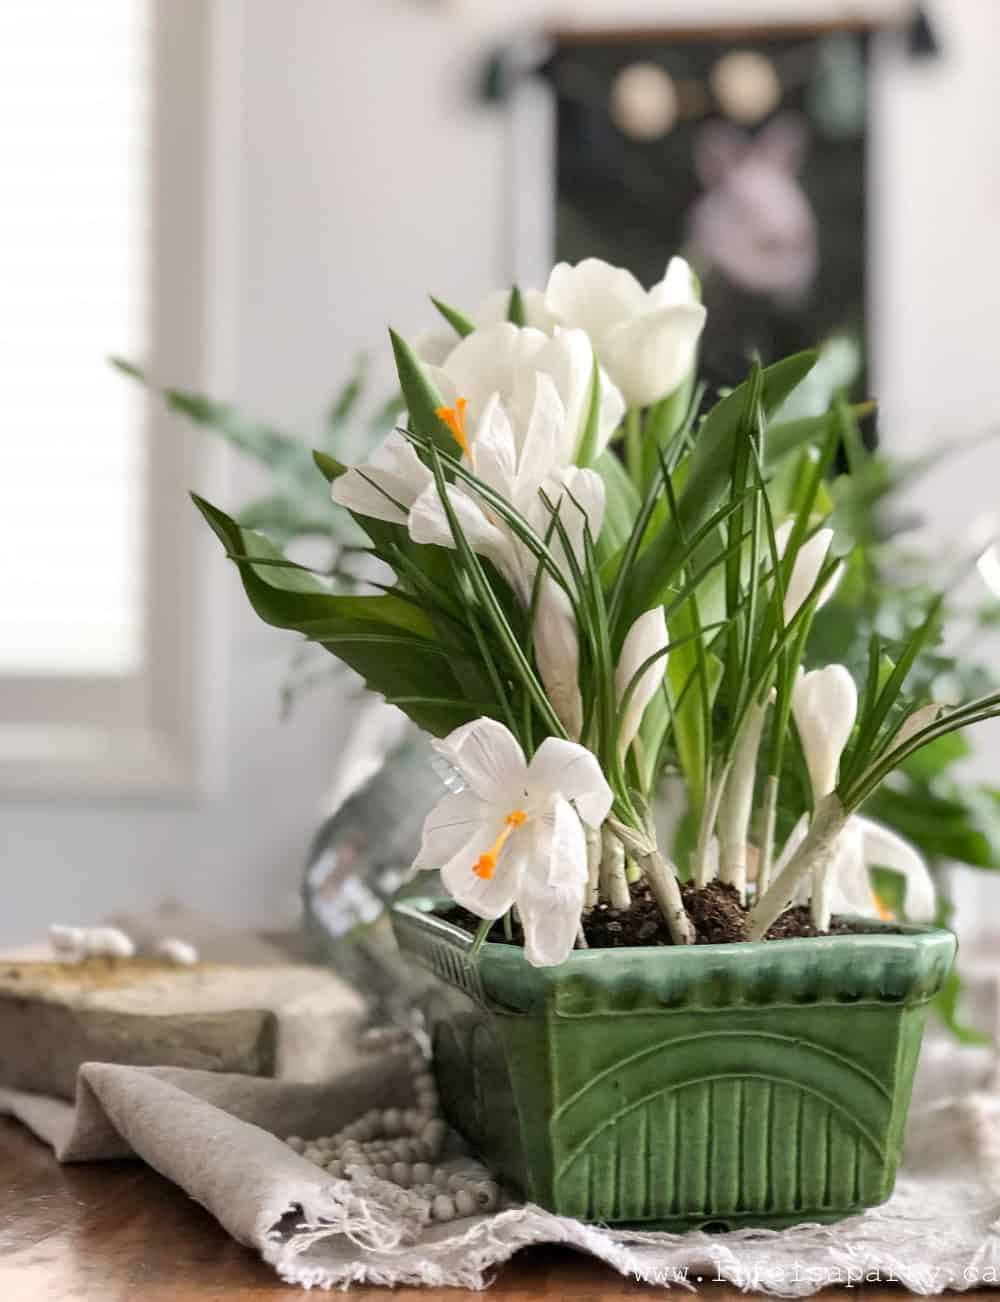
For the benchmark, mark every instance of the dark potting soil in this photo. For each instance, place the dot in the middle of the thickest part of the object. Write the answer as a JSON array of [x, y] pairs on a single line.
[[718, 915]]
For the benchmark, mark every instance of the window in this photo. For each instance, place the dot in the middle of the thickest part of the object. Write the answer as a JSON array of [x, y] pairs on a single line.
[[102, 140]]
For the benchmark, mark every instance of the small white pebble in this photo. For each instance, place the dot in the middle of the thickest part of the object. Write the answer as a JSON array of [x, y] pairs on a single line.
[[179, 952], [425, 1081], [336, 1169], [391, 1118], [69, 943], [422, 1173], [296, 1143], [465, 1203], [380, 1170], [401, 1173], [442, 1208], [108, 942]]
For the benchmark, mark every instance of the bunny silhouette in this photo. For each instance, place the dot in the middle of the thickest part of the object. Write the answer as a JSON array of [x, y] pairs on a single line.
[[754, 225]]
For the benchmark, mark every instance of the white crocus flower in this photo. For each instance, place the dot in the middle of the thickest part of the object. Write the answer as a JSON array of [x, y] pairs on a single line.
[[386, 486], [514, 836], [646, 637], [824, 705], [862, 845], [504, 359], [808, 563], [533, 481], [645, 340], [529, 474], [433, 346]]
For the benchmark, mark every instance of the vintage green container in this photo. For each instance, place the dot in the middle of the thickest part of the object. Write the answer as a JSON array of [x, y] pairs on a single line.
[[716, 1085]]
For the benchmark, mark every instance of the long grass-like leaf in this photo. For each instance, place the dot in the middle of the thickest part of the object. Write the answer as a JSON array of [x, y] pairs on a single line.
[[519, 664]]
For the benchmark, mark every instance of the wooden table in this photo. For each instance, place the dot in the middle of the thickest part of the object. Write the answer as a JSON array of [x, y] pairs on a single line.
[[118, 1232]]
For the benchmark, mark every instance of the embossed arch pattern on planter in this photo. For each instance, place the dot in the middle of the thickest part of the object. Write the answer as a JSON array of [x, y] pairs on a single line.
[[758, 1132]]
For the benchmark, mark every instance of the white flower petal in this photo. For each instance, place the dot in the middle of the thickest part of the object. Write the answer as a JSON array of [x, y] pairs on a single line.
[[808, 563], [916, 722], [433, 346], [825, 705], [850, 888], [487, 897], [494, 449], [579, 496], [594, 296], [552, 886], [568, 361], [491, 760], [564, 768], [386, 486], [428, 523], [541, 448], [611, 412], [647, 636], [557, 654], [677, 286], [884, 849], [488, 361], [453, 826], [649, 355]]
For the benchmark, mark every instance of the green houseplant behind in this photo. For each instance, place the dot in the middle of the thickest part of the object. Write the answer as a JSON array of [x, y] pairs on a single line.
[[588, 588]]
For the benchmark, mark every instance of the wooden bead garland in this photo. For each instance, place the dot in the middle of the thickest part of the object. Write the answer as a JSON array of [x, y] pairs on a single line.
[[405, 1146]]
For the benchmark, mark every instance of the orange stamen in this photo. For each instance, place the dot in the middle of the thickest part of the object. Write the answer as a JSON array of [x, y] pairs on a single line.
[[486, 865], [454, 418], [884, 913]]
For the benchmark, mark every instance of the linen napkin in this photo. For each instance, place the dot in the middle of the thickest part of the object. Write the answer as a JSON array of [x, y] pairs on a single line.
[[217, 1136]]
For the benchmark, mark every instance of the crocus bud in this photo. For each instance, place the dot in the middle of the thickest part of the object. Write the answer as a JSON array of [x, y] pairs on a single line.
[[645, 638], [825, 705], [557, 655], [806, 570]]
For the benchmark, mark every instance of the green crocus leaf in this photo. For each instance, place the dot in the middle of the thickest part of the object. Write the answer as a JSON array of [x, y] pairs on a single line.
[[588, 440], [621, 505], [329, 467], [458, 322], [281, 453], [387, 639], [791, 434], [515, 308], [685, 689], [421, 397], [706, 478]]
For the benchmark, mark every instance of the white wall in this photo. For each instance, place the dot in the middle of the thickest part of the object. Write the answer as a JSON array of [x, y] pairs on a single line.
[[358, 173]]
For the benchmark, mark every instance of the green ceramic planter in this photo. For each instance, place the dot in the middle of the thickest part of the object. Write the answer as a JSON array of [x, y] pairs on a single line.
[[723, 1085]]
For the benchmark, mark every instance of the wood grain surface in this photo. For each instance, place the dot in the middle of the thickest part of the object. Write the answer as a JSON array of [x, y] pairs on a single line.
[[118, 1232]]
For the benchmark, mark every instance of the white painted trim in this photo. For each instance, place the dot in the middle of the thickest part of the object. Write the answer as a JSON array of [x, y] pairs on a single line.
[[157, 735]]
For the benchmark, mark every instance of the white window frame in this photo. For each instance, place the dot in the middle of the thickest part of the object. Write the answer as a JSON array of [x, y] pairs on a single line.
[[148, 735]]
